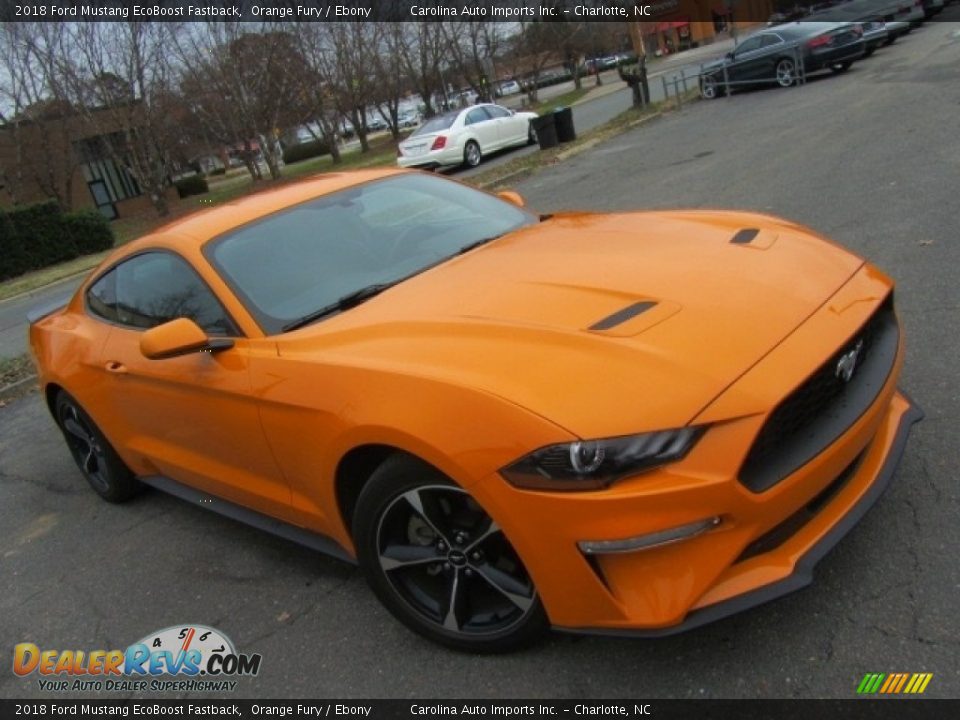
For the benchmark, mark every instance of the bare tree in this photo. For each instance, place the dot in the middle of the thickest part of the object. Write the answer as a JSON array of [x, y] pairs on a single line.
[[349, 63], [423, 53], [35, 114], [318, 95], [391, 75], [121, 83], [241, 86], [471, 48]]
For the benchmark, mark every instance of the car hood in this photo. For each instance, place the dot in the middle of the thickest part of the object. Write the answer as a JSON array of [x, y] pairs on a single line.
[[603, 324]]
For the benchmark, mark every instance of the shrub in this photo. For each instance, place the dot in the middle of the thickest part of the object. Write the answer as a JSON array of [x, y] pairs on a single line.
[[218, 171], [35, 236], [303, 151], [89, 230], [191, 185]]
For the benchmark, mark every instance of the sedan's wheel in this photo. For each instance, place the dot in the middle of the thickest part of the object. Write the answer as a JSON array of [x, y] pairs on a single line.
[[708, 88], [532, 135], [98, 461], [440, 564], [471, 154], [841, 67], [786, 73]]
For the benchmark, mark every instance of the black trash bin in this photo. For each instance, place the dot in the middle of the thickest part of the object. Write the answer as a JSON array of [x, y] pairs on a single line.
[[546, 131], [563, 119]]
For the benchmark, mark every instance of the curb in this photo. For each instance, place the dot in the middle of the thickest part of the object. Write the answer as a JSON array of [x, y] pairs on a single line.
[[12, 390], [515, 175]]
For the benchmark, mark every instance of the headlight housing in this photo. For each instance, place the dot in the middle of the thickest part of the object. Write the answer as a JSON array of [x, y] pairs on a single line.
[[595, 464]]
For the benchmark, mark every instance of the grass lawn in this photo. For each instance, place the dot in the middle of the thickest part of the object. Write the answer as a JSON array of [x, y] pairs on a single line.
[[565, 100]]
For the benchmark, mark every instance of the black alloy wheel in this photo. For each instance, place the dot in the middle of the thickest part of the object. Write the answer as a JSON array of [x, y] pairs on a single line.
[[107, 474], [440, 564]]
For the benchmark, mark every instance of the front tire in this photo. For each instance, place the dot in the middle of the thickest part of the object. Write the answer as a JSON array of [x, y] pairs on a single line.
[[709, 89], [107, 474], [532, 135], [786, 73], [472, 154], [841, 67], [440, 564]]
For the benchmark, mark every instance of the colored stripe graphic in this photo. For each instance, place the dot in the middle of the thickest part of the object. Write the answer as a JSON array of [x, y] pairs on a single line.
[[894, 683]]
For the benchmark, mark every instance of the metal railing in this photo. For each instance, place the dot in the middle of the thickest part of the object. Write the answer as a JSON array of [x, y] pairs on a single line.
[[679, 84]]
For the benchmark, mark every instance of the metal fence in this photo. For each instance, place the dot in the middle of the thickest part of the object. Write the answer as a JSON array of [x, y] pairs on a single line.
[[679, 85]]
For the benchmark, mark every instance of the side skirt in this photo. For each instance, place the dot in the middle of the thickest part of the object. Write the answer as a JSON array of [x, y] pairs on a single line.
[[298, 535]]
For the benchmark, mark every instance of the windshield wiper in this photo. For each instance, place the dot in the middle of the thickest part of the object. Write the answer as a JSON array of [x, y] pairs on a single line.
[[344, 303]]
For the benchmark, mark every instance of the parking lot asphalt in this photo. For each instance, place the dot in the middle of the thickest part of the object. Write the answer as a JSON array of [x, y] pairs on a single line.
[[872, 159]]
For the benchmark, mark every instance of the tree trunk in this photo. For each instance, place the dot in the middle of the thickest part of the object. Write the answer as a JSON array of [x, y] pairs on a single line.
[[334, 149], [159, 201], [362, 137]]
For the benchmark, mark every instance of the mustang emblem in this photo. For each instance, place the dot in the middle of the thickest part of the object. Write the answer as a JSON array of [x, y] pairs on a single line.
[[847, 364]]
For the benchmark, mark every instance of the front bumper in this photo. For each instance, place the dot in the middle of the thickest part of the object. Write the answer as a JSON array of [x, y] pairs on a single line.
[[898, 429], [673, 587]]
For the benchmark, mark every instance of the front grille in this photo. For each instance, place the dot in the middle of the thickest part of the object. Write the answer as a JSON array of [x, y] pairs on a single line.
[[779, 534], [825, 405]]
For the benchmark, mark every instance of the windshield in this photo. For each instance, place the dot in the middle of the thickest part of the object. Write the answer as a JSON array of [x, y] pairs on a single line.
[[298, 261], [441, 122]]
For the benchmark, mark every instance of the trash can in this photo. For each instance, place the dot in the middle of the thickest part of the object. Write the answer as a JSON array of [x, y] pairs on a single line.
[[563, 119], [546, 131]]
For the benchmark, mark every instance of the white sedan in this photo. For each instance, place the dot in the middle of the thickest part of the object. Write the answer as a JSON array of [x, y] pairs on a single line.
[[465, 136]]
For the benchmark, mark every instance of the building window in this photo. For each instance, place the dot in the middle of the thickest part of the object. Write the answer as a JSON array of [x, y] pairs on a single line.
[[108, 181]]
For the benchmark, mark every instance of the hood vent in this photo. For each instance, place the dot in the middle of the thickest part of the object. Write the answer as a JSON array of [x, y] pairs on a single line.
[[744, 236], [621, 316]]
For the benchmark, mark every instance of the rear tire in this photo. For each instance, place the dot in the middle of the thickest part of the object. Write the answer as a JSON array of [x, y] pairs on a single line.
[[786, 73], [440, 564], [107, 474], [471, 154]]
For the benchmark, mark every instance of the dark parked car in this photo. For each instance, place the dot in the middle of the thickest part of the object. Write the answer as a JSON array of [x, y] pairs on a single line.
[[773, 55]]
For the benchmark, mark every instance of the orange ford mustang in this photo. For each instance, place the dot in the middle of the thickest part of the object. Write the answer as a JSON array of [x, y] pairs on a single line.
[[631, 423]]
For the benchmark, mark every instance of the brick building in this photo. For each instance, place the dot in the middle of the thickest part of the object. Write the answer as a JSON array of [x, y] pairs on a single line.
[[61, 155], [677, 25]]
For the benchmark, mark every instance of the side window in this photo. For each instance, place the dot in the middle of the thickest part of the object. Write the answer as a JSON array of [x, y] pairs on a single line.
[[476, 115], [154, 288], [748, 45], [102, 297], [497, 112], [769, 40]]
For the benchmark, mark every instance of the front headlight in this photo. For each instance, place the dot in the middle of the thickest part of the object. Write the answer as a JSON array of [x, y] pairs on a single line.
[[594, 464]]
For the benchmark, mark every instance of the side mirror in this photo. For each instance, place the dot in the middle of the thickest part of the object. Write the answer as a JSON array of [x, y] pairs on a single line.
[[731, 55], [179, 337], [514, 198]]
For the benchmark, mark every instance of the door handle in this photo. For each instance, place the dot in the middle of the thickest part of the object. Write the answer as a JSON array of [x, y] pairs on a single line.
[[116, 367]]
